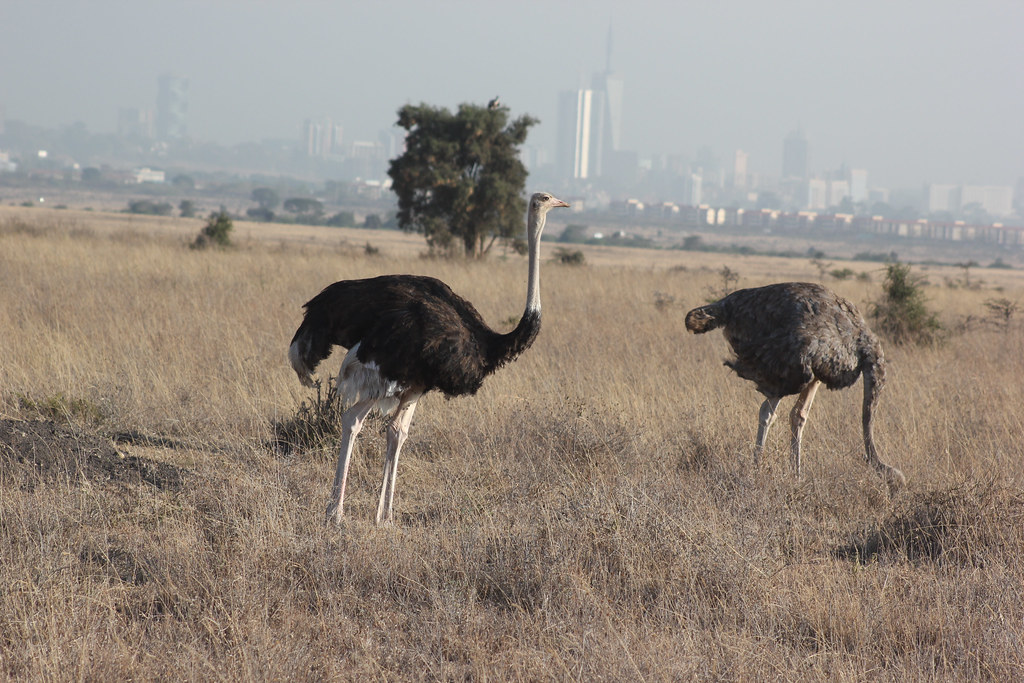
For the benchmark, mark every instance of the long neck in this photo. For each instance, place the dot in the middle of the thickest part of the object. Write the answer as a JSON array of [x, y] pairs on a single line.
[[535, 224], [510, 345]]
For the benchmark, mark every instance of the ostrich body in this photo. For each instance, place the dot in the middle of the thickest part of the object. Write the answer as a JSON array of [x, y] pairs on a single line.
[[407, 335], [790, 338]]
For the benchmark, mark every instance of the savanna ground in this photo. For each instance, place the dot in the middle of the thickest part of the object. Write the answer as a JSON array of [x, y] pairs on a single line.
[[591, 514]]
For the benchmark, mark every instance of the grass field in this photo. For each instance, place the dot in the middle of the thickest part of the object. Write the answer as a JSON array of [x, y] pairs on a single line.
[[592, 514]]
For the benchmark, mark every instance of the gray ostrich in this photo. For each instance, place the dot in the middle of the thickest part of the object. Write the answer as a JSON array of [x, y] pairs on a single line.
[[407, 335], [790, 338]]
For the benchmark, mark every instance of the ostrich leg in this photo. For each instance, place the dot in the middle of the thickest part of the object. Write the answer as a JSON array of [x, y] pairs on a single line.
[[765, 418], [798, 418], [351, 422], [397, 431]]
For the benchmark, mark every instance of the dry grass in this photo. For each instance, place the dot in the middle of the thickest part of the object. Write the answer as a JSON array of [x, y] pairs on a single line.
[[592, 513]]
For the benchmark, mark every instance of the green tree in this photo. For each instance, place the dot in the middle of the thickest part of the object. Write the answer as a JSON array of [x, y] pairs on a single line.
[[342, 219], [147, 206], [902, 312], [574, 232], [216, 232], [306, 209], [183, 182], [266, 198], [460, 180], [187, 208]]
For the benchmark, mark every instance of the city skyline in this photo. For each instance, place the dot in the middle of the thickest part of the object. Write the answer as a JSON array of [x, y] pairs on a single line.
[[916, 95]]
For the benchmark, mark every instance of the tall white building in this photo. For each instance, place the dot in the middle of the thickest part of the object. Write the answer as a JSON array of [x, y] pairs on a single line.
[[590, 125], [578, 142], [858, 184], [171, 107], [739, 170]]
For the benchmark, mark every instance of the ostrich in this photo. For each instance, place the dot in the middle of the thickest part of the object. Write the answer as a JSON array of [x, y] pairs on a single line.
[[407, 335], [790, 338]]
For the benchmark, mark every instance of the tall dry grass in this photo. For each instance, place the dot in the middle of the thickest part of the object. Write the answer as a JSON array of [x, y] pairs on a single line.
[[592, 513]]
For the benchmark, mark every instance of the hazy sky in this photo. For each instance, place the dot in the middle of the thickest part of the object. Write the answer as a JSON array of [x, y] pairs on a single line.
[[914, 91]]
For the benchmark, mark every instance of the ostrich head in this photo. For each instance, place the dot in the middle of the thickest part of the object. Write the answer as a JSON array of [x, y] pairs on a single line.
[[540, 204]]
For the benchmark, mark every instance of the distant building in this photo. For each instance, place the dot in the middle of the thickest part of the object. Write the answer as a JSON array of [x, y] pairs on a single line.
[[135, 123], [590, 128], [995, 200], [693, 190], [171, 107], [858, 184], [148, 175], [943, 198], [739, 170], [838, 190], [320, 138], [816, 194], [578, 142], [794, 155]]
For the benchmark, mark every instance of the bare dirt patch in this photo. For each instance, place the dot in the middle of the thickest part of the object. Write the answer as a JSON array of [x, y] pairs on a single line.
[[36, 451]]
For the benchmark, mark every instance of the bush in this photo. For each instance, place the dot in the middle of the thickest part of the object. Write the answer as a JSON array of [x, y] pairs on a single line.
[[150, 208], [901, 314], [569, 257], [342, 219], [260, 214], [216, 232], [574, 233]]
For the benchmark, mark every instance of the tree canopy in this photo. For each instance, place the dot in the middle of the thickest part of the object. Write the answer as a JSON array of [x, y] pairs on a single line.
[[460, 180]]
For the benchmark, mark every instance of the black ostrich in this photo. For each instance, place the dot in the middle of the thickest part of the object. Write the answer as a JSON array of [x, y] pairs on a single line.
[[791, 337], [407, 335]]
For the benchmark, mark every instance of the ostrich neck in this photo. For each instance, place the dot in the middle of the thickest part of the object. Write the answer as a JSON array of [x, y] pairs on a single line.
[[534, 228], [510, 345]]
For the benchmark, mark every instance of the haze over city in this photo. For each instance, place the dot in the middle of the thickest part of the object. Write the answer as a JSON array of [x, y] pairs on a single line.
[[913, 92]]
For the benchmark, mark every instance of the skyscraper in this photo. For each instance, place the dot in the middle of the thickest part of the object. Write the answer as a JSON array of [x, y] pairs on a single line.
[[171, 107], [739, 170], [578, 143], [590, 125], [794, 155]]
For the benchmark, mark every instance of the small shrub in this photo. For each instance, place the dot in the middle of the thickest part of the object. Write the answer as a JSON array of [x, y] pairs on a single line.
[[569, 257], [371, 250], [216, 232], [150, 208], [342, 219], [901, 313], [663, 301], [694, 243], [63, 408], [574, 232], [316, 424], [1002, 310], [730, 278], [841, 273], [259, 213]]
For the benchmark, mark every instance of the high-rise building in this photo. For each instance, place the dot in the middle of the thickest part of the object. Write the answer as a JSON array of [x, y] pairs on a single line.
[[135, 123], [578, 141], [739, 170], [171, 107], [858, 184], [590, 126], [794, 155], [320, 138]]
